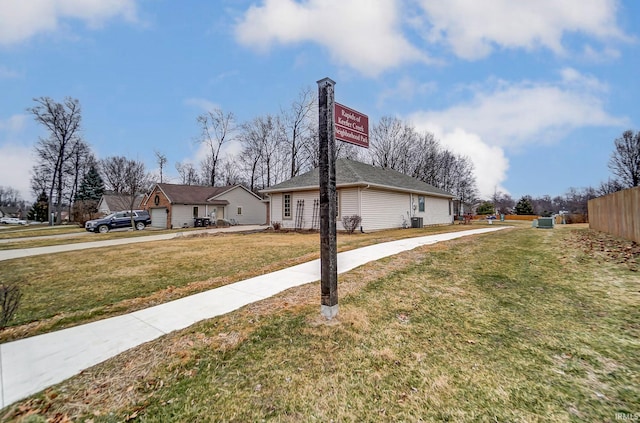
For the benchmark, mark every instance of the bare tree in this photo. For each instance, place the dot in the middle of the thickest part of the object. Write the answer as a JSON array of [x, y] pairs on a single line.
[[250, 137], [625, 159], [114, 173], [62, 121], [427, 163], [80, 160], [229, 173], [216, 129], [9, 196], [188, 173], [262, 154], [161, 159], [390, 144], [298, 128], [136, 182], [609, 186], [40, 179], [461, 179], [576, 199], [503, 203]]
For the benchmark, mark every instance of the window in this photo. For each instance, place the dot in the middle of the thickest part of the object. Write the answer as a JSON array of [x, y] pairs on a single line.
[[286, 206], [239, 211], [449, 207], [195, 211], [421, 203]]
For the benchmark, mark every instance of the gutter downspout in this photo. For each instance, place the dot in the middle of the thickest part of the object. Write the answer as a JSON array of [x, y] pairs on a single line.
[[360, 204]]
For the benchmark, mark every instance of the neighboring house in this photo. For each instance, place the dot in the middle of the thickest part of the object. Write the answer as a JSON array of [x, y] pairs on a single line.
[[11, 211], [383, 198], [111, 203], [176, 206]]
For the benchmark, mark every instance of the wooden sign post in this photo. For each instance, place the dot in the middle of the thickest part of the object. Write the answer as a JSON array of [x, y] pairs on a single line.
[[328, 207]]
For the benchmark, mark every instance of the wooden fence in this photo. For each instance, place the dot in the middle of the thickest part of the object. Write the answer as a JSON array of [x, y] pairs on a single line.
[[520, 217], [617, 214]]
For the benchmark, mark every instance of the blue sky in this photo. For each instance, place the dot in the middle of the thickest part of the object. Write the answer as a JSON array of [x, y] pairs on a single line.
[[533, 92]]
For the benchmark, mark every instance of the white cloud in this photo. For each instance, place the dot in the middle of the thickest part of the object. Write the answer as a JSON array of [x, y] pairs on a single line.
[[372, 37], [513, 115], [406, 89], [474, 28], [490, 162], [201, 103], [7, 73], [13, 124], [362, 34], [16, 160], [21, 20], [595, 55]]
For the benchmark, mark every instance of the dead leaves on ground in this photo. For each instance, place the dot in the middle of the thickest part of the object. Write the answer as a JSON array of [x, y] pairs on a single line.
[[603, 246]]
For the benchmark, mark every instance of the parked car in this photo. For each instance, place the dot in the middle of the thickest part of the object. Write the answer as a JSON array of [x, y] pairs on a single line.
[[121, 219], [12, 221]]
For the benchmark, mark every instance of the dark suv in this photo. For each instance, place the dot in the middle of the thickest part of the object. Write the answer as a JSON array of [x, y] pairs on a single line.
[[121, 219]]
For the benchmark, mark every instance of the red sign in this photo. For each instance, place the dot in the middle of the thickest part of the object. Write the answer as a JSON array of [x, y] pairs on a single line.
[[351, 126]]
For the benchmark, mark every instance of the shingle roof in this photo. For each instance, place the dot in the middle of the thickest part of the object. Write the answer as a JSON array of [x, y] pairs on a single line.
[[117, 202], [352, 173], [192, 194]]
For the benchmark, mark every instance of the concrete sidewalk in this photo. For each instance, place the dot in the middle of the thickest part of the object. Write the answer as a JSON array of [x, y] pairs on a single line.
[[27, 252], [30, 365]]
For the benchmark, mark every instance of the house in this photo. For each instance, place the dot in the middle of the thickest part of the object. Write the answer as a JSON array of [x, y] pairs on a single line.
[[383, 198], [110, 203], [177, 206], [11, 211]]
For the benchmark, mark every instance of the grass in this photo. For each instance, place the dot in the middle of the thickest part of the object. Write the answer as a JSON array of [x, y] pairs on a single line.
[[43, 238], [66, 289], [523, 325], [19, 231]]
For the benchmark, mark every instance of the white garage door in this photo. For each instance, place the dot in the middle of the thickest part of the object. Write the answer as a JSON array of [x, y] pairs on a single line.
[[159, 218]]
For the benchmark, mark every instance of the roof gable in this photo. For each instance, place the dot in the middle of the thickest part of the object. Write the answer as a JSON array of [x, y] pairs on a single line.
[[231, 188], [190, 194], [196, 194], [353, 173]]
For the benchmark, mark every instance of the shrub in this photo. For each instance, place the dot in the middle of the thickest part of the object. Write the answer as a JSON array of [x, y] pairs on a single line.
[[276, 226], [9, 300], [351, 223]]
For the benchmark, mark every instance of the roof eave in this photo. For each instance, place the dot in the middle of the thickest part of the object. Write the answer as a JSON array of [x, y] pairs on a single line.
[[358, 184]]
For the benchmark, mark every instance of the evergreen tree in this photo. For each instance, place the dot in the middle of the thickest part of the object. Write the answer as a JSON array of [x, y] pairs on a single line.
[[524, 206], [40, 209], [88, 197], [91, 187], [485, 207]]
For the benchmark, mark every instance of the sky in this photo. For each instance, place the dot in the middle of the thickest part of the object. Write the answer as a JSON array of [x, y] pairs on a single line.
[[533, 92]]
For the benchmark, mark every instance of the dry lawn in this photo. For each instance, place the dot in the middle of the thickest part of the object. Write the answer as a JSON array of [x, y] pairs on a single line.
[[517, 326], [66, 289]]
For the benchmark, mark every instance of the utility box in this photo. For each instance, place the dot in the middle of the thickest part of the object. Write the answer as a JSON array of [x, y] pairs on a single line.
[[545, 222], [416, 222]]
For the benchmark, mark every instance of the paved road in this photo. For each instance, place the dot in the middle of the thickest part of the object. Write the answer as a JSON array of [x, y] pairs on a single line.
[[27, 252]]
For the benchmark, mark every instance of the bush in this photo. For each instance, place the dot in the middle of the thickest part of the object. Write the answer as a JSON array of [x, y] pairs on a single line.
[[351, 223], [276, 226], [9, 300]]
